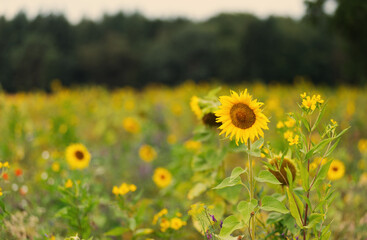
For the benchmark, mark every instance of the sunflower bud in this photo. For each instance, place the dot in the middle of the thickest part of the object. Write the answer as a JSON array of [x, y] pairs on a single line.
[[210, 120], [280, 173]]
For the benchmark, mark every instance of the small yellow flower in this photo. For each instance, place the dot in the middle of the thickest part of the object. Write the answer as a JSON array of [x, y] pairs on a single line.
[[290, 122], [124, 189], [147, 153], [131, 125], [194, 104], [115, 190], [162, 177], [336, 170], [132, 188], [333, 122], [318, 99], [68, 183], [293, 141], [165, 224], [176, 223], [362, 145], [303, 95], [55, 167], [280, 124], [288, 134], [1, 191], [1, 164], [309, 103], [193, 145], [6, 165]]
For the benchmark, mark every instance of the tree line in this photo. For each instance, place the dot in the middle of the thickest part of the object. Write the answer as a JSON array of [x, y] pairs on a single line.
[[130, 49]]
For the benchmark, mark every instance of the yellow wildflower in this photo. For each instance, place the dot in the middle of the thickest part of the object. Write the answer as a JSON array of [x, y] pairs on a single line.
[[176, 223], [288, 134], [162, 177], [131, 125], [280, 124], [147, 153], [362, 145], [68, 183], [293, 141], [193, 145], [165, 224], [309, 103], [336, 170], [290, 122], [55, 167]]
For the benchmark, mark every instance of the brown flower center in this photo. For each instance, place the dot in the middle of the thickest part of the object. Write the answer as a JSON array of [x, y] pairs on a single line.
[[335, 169], [163, 177], [79, 155], [242, 116]]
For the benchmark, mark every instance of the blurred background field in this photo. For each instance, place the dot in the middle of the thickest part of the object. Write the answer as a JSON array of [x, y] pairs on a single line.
[[37, 127], [124, 82]]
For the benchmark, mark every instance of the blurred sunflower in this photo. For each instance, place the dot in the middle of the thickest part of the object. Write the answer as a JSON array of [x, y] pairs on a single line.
[[147, 153], [77, 156], [162, 177], [241, 117], [336, 170], [131, 125], [194, 105]]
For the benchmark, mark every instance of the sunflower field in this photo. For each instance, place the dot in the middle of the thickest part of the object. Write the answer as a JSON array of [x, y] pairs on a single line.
[[196, 161]]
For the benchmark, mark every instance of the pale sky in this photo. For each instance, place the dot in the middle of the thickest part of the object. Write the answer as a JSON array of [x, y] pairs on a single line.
[[194, 9]]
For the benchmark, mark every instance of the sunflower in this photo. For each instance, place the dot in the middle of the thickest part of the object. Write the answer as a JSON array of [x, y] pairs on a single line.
[[336, 170], [162, 177], [77, 156], [131, 125], [241, 117], [281, 173]]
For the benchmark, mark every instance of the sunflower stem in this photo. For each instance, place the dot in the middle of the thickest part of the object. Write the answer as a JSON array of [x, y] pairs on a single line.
[[252, 196]]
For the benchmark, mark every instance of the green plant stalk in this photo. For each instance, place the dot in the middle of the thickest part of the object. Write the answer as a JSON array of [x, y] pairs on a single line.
[[252, 195]]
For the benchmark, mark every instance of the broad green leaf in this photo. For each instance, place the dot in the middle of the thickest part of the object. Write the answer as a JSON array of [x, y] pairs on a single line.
[[117, 231], [228, 182], [230, 224], [266, 176], [314, 219], [257, 144], [246, 208], [236, 172], [294, 209], [269, 203]]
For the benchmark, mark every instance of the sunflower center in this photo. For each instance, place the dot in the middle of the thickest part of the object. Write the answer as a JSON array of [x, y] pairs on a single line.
[[163, 177], [242, 116], [79, 155], [335, 169]]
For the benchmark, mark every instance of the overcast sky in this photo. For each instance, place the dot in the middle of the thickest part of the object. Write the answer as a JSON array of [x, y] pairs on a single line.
[[194, 9]]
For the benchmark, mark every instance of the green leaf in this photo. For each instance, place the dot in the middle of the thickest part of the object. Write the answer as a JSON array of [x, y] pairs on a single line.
[[230, 224], [236, 172], [266, 176], [322, 173], [257, 144], [319, 117], [304, 176], [314, 219], [269, 203], [306, 124], [322, 144], [294, 209], [117, 231], [228, 182], [246, 208]]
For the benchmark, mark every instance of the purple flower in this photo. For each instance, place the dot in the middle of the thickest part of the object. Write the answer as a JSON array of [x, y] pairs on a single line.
[[213, 218], [297, 238], [221, 224]]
